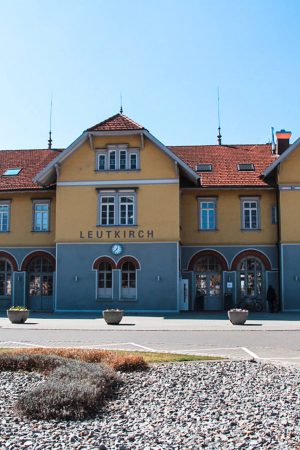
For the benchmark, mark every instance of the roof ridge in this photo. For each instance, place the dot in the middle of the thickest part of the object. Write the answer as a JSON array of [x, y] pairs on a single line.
[[113, 122]]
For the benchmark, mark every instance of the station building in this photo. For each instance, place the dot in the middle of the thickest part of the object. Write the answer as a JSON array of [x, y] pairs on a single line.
[[120, 220]]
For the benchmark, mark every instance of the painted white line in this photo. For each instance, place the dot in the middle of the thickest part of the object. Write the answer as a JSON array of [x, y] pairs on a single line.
[[250, 353], [23, 343], [143, 347], [210, 349]]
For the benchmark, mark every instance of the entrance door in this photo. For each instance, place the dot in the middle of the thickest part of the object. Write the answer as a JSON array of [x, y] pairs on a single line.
[[208, 285], [40, 286], [208, 281]]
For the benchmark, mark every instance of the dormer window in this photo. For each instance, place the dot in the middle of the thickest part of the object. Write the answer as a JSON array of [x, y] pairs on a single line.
[[204, 168], [246, 167], [117, 157]]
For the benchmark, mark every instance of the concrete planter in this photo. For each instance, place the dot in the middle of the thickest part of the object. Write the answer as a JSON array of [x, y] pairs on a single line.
[[113, 316], [238, 317], [16, 316]]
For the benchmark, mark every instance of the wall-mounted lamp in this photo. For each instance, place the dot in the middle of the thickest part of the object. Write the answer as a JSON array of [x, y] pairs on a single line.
[[296, 277], [76, 278], [158, 278]]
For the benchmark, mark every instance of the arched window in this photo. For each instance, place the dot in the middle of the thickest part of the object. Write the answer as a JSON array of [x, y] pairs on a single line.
[[208, 264], [251, 277], [40, 271], [128, 280], [105, 280], [5, 277]]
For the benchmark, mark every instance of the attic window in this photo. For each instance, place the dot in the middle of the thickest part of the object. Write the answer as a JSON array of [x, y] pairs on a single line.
[[248, 167], [204, 167], [11, 172]]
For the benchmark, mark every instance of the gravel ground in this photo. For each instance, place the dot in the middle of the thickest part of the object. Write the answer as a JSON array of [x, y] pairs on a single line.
[[187, 406]]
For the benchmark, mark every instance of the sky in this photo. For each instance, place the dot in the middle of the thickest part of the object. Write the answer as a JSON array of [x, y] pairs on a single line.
[[166, 57]]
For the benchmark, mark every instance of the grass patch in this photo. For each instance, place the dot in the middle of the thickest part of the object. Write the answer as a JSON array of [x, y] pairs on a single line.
[[155, 357], [122, 360]]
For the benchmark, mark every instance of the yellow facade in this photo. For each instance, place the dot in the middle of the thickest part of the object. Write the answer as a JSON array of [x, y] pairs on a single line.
[[228, 218], [157, 204], [21, 220]]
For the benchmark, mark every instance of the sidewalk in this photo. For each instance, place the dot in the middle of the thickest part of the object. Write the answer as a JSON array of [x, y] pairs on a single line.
[[169, 322]]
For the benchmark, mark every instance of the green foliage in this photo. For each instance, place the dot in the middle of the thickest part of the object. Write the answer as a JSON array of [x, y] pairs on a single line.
[[18, 308]]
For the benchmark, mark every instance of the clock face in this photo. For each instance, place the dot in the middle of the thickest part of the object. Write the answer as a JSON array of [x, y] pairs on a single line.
[[116, 249]]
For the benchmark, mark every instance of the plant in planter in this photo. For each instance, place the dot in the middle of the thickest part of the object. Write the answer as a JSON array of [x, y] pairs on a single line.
[[17, 314], [113, 316], [238, 316]]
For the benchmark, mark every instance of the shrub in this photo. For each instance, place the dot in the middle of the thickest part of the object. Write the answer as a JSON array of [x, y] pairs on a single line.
[[73, 391], [14, 362], [124, 362]]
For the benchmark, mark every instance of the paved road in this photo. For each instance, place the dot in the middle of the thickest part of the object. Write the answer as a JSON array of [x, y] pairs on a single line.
[[278, 342]]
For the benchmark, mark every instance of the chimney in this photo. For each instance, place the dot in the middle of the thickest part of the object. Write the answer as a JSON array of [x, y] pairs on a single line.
[[283, 141]]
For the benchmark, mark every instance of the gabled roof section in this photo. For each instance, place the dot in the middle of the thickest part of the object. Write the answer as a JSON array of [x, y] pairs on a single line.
[[225, 160], [118, 122], [281, 158], [31, 162]]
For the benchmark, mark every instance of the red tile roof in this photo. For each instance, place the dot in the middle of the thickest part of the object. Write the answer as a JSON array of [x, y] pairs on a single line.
[[118, 122], [224, 160], [30, 161]]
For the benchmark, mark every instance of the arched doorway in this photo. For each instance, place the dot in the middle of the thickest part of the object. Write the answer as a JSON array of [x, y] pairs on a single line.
[[251, 266], [6, 271], [207, 268], [40, 284], [251, 276]]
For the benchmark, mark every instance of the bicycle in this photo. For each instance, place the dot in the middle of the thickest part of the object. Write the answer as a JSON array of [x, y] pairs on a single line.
[[251, 304]]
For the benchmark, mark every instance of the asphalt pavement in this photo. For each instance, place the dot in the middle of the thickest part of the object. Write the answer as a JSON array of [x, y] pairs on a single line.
[[266, 337]]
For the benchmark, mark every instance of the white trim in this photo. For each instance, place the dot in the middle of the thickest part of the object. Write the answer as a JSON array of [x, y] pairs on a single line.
[[109, 243], [13, 257], [25, 288], [119, 182], [281, 158], [190, 172], [42, 175], [289, 188], [136, 279]]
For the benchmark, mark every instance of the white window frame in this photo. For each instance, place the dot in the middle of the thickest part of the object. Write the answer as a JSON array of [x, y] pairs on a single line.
[[6, 203], [117, 150], [104, 293], [128, 293], [36, 202], [202, 200], [116, 194], [244, 201]]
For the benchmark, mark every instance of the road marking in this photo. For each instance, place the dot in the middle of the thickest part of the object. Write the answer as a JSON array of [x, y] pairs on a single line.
[[250, 353], [143, 347], [23, 343]]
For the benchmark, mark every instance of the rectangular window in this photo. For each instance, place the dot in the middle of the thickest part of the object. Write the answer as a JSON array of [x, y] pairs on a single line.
[[207, 214], [107, 210], [126, 213], [117, 208], [4, 216], [133, 161], [101, 161], [112, 160], [123, 160], [274, 219], [117, 157], [250, 214], [41, 215]]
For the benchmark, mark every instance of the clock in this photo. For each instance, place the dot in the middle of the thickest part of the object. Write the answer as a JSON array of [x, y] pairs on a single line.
[[116, 249]]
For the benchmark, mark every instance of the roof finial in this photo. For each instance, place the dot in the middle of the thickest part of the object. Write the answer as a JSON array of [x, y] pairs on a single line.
[[219, 123], [121, 103], [50, 126]]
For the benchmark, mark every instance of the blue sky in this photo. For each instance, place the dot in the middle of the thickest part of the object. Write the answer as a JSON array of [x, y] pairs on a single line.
[[167, 57]]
